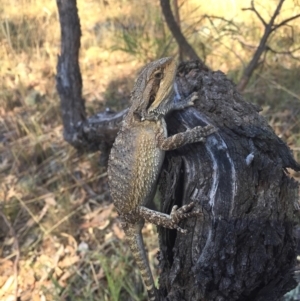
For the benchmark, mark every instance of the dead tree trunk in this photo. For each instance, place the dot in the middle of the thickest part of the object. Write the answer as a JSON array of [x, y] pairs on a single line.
[[243, 248]]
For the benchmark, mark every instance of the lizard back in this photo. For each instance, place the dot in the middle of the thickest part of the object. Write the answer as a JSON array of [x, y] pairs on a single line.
[[135, 163]]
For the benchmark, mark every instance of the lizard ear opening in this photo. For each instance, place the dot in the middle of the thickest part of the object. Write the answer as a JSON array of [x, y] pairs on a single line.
[[151, 100], [154, 89]]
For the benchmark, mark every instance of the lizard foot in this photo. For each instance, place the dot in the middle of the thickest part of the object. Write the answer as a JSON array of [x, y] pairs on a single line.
[[191, 99], [177, 215], [185, 103], [200, 133]]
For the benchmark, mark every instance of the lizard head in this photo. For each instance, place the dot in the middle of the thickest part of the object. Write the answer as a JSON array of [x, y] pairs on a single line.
[[154, 88]]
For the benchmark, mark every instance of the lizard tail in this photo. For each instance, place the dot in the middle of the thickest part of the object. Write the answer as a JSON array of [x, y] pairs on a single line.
[[135, 240]]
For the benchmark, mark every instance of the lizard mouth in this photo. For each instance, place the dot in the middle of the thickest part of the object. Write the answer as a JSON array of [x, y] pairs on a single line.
[[153, 92], [151, 113]]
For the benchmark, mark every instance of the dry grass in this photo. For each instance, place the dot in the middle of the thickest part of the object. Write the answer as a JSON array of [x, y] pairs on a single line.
[[59, 217]]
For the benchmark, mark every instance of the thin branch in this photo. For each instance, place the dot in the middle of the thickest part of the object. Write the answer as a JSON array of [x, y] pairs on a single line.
[[230, 22], [245, 45], [183, 44], [276, 13], [289, 52], [282, 52], [284, 22], [260, 49], [252, 8], [225, 32], [280, 87]]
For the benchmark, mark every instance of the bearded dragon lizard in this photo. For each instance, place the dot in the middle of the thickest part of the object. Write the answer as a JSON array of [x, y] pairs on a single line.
[[137, 155]]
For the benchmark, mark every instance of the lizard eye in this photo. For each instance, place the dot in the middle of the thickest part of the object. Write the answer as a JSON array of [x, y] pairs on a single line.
[[158, 75]]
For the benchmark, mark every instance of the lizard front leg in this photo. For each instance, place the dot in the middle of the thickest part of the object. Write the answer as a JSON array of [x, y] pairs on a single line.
[[197, 134], [169, 107], [180, 105]]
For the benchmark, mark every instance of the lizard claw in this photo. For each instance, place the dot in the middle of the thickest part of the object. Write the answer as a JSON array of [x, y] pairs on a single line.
[[201, 132], [177, 215], [192, 99], [194, 96]]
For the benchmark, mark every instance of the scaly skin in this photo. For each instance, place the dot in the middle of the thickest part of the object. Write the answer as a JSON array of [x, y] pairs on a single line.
[[137, 156]]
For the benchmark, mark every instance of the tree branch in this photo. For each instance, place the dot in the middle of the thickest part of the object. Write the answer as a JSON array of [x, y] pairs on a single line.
[[290, 52], [93, 133], [284, 22], [261, 48], [177, 19], [252, 8], [183, 44], [68, 79]]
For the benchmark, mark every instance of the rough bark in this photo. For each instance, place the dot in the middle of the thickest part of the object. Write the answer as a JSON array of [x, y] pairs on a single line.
[[68, 79], [243, 248]]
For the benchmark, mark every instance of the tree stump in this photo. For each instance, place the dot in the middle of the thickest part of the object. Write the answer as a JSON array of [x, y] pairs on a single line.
[[243, 248]]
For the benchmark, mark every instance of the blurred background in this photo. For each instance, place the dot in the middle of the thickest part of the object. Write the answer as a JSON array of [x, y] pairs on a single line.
[[60, 238]]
